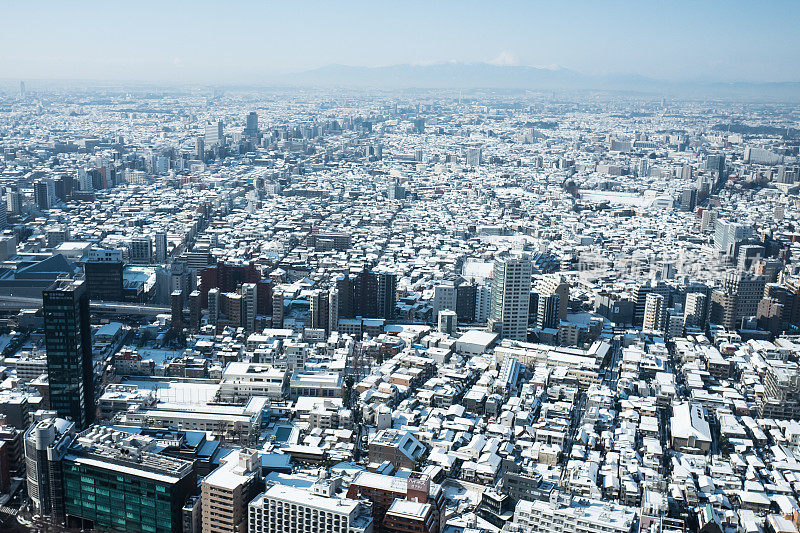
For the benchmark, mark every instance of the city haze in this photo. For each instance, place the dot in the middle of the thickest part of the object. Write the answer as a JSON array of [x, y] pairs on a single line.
[[256, 42]]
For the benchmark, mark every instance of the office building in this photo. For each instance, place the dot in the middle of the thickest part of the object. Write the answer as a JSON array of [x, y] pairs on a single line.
[[654, 312], [249, 306], [466, 301], [387, 294], [749, 256], [405, 515], [44, 193], [695, 310], [748, 291], [160, 248], [447, 321], [242, 380], [284, 509], [65, 307], [214, 134], [140, 250], [115, 481], [716, 163], [473, 157], [761, 156], [781, 383], [511, 285], [400, 448], [319, 307], [639, 297], [277, 309], [213, 306], [227, 490], [251, 127], [554, 284], [195, 311], [708, 221], [333, 309], [328, 240], [547, 307], [688, 199], [14, 202], [104, 280], [228, 278], [383, 491], [176, 312], [199, 148], [572, 514], [722, 310], [769, 315], [444, 296], [46, 443], [365, 291], [728, 234]]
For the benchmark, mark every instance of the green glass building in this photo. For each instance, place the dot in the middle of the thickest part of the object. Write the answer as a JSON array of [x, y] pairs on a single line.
[[111, 485]]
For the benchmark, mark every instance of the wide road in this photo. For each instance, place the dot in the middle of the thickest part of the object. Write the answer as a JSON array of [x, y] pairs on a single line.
[[9, 303]]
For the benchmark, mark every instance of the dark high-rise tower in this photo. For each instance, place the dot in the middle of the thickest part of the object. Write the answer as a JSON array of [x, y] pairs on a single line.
[[69, 351], [387, 294], [104, 280], [365, 292], [176, 311], [251, 129]]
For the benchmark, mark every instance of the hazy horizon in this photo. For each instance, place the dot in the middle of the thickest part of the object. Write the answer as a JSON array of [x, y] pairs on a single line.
[[251, 42]]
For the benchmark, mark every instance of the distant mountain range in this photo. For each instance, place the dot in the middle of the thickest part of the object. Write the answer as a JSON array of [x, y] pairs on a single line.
[[488, 76]]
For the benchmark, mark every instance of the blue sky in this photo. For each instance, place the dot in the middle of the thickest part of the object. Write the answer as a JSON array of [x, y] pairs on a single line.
[[200, 41]]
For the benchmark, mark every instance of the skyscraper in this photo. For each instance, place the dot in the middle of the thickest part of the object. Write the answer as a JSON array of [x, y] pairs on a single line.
[[199, 148], [251, 129], [46, 445], [387, 294], [44, 193], [3, 215], [69, 351], [551, 284], [716, 163], [104, 280], [213, 306], [277, 309], [176, 310], [473, 157], [214, 134], [547, 311], [319, 307], [249, 299], [194, 311], [161, 247], [333, 309], [654, 312], [688, 199], [511, 285], [14, 202], [695, 313], [727, 234]]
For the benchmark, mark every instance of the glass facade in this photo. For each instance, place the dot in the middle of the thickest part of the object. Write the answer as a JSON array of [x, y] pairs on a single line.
[[116, 501], [69, 352]]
